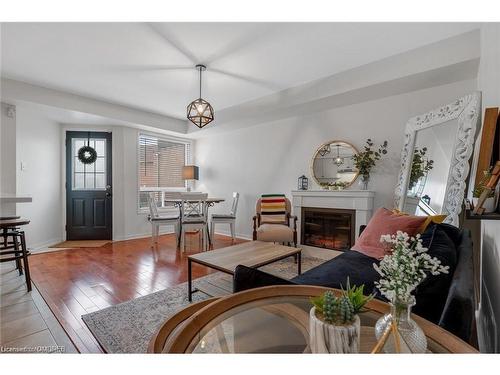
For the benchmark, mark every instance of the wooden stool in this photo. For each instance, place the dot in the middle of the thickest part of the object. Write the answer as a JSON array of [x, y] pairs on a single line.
[[15, 249], [5, 230]]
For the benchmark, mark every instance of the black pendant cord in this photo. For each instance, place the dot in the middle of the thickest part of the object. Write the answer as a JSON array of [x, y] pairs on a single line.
[[200, 81], [88, 139]]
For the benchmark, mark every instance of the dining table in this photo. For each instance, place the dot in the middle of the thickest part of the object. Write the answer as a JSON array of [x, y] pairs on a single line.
[[209, 202]]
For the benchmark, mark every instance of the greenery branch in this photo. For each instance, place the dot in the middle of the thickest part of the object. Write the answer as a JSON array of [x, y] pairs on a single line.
[[365, 160]]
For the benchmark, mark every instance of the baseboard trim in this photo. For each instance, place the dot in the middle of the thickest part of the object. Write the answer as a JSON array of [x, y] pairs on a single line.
[[140, 235], [238, 235]]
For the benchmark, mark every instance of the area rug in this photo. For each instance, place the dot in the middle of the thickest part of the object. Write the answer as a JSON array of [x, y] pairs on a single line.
[[128, 327]]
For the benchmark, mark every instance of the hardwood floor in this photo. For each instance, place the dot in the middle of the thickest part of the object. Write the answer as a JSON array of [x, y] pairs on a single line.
[[75, 282]]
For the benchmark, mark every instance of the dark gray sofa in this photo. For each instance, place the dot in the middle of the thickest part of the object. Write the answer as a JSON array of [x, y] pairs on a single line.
[[447, 300]]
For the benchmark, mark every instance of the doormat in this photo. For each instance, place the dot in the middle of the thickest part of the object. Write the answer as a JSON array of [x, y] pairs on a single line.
[[86, 243]]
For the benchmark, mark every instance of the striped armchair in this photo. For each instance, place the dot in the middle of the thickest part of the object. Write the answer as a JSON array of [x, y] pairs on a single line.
[[273, 221]]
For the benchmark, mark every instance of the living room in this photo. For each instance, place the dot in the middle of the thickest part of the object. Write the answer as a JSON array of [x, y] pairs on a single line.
[[232, 187]]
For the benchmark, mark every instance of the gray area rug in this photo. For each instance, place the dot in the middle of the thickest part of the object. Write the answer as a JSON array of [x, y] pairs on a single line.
[[128, 327]]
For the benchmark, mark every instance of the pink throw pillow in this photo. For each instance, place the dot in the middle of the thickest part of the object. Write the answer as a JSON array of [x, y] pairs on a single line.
[[385, 222]]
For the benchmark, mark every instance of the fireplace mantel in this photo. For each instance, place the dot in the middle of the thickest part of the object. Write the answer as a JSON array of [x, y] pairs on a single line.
[[360, 201]]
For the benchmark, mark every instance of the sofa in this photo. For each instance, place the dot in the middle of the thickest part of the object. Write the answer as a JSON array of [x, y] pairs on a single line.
[[446, 300]]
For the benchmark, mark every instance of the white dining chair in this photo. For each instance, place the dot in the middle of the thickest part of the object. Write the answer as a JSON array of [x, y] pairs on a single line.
[[229, 218], [158, 220], [194, 217]]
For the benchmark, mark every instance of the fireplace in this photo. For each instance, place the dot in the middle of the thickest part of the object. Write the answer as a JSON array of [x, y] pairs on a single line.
[[328, 228]]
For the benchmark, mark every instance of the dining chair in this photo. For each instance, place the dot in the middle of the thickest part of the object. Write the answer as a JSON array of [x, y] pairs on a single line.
[[194, 217], [229, 218], [158, 220]]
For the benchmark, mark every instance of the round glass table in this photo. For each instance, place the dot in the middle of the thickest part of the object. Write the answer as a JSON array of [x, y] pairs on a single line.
[[272, 320]]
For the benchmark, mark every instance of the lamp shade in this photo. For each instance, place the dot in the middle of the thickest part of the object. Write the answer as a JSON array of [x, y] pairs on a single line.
[[190, 172]]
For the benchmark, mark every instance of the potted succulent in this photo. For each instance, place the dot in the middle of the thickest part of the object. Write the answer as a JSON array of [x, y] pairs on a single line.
[[365, 160], [489, 203], [334, 324]]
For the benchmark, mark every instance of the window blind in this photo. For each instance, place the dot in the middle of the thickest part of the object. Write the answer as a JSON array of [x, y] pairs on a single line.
[[161, 162], [160, 167]]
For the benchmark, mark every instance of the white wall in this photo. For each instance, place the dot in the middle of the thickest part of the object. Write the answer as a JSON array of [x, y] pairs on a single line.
[[7, 156], [488, 316], [38, 143], [269, 157]]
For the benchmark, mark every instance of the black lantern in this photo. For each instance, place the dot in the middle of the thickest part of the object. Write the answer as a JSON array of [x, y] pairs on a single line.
[[199, 111], [303, 183]]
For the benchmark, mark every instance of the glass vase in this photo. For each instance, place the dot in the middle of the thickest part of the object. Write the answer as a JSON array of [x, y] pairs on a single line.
[[410, 339], [363, 182]]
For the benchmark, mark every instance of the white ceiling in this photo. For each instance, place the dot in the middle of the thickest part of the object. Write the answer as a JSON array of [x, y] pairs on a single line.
[[151, 66]]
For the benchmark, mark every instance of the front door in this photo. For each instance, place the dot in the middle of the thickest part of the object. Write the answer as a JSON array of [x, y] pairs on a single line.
[[88, 187]]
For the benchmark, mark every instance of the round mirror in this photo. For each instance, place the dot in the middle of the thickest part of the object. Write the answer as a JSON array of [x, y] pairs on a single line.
[[332, 165]]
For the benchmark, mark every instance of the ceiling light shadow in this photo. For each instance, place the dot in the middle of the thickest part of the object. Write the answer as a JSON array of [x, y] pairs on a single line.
[[149, 68], [261, 30], [174, 43], [255, 81]]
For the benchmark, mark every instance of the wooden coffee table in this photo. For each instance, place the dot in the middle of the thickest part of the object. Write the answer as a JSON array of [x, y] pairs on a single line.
[[251, 254]]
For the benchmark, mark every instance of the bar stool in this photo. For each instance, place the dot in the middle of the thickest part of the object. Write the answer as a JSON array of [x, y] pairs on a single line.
[[16, 249], [5, 242]]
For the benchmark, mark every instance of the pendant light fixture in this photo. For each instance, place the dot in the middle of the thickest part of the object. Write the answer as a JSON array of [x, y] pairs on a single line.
[[338, 161], [199, 111]]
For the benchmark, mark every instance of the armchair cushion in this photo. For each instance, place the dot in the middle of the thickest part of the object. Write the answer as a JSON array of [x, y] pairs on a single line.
[[275, 233]]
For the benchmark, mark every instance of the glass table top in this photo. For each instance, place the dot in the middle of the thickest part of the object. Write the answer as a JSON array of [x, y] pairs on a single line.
[[273, 325]]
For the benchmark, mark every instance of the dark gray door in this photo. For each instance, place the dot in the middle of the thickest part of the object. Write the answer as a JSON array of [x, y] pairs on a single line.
[[88, 188]]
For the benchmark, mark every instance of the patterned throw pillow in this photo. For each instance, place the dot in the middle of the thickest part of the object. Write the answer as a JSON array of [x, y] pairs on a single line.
[[273, 209]]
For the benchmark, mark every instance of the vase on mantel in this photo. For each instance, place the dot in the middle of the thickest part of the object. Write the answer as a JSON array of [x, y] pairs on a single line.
[[363, 181], [411, 337]]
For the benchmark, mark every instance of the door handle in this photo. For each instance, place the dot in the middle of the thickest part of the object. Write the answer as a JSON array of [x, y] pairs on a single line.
[[108, 194]]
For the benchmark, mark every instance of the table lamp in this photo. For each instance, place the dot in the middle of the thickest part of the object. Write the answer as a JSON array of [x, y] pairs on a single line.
[[189, 173]]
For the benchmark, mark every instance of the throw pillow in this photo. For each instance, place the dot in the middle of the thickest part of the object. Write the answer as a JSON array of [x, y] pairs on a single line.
[[437, 219], [385, 222]]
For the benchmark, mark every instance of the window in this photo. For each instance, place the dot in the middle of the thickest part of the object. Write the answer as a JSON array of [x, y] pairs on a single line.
[[160, 166], [89, 176]]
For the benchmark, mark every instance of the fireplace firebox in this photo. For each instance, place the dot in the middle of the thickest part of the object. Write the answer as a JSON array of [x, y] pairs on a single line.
[[328, 228]]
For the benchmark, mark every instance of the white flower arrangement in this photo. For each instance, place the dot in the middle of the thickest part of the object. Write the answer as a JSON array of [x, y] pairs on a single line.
[[405, 266]]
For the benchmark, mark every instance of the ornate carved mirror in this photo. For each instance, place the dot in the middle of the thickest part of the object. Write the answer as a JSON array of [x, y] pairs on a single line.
[[332, 164], [435, 159]]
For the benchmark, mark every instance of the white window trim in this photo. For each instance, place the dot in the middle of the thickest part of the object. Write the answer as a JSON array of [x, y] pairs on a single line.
[[189, 161]]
